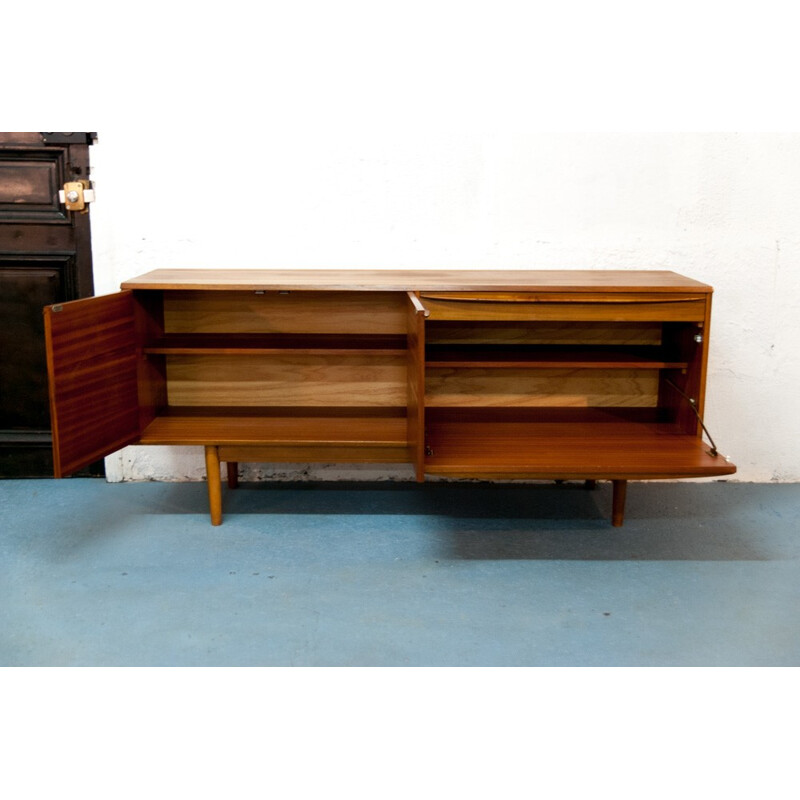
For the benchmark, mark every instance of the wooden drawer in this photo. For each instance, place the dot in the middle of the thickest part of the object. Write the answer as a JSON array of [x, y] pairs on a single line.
[[529, 306]]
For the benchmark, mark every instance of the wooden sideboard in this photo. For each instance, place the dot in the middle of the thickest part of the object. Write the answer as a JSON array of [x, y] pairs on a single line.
[[567, 375]]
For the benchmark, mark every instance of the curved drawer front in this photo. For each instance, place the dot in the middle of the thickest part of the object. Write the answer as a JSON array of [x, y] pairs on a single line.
[[522, 306]]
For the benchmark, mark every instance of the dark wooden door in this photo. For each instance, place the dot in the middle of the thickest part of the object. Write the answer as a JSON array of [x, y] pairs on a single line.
[[45, 257]]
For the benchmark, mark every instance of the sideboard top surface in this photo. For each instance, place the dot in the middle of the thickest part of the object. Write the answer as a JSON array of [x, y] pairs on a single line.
[[420, 280]]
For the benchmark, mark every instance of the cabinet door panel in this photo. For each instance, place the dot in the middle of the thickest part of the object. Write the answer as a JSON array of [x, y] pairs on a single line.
[[92, 370]]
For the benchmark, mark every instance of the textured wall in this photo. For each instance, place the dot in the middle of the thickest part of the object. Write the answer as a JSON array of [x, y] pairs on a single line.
[[721, 208]]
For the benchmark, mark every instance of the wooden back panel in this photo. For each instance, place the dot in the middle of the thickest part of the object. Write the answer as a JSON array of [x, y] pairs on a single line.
[[285, 312], [293, 380], [448, 387], [559, 333], [541, 387]]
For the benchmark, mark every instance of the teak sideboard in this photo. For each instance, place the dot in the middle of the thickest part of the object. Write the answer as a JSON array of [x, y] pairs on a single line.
[[567, 375]]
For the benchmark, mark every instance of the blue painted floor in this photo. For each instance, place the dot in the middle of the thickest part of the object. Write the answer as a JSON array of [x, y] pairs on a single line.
[[390, 574]]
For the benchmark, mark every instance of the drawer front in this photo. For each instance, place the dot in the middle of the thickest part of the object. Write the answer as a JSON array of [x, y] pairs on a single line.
[[522, 306]]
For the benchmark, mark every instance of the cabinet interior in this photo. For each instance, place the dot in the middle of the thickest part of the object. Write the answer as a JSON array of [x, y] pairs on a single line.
[[359, 370], [474, 374], [304, 369]]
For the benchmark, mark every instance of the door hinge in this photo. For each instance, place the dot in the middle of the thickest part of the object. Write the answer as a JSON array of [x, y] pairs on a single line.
[[76, 194]]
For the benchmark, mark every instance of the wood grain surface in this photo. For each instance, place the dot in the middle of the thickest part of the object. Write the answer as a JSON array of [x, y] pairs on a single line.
[[460, 280]]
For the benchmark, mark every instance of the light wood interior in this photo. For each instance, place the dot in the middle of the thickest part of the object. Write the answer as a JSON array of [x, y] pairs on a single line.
[[541, 387], [220, 426], [230, 356], [285, 312], [544, 333], [289, 380]]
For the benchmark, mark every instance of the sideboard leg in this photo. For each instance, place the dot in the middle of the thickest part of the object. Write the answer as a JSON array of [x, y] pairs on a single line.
[[618, 503], [214, 478], [233, 474]]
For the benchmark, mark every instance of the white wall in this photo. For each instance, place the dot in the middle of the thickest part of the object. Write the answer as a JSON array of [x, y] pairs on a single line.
[[310, 134], [721, 208]]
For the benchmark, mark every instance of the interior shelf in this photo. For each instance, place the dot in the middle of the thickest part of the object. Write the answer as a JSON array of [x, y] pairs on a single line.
[[585, 357], [610, 448], [270, 344], [277, 427]]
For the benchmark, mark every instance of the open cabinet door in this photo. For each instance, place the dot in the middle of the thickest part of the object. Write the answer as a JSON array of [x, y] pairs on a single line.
[[92, 371]]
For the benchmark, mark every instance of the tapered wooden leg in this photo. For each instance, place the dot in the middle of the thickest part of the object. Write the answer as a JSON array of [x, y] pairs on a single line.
[[233, 474], [618, 503], [214, 478]]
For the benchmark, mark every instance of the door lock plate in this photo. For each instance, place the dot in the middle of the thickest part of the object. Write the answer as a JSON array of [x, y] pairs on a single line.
[[76, 194]]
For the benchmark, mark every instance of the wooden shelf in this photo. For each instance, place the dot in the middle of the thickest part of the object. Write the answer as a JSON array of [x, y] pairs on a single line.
[[217, 427], [273, 344], [611, 450], [501, 357]]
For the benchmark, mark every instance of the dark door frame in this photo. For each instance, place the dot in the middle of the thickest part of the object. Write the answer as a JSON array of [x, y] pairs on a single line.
[[41, 242]]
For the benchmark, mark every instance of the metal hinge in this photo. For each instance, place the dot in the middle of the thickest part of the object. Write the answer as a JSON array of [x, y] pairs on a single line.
[[76, 194], [68, 138]]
